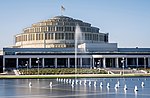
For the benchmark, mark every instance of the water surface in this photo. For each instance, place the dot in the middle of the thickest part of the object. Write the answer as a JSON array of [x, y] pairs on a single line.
[[19, 88]]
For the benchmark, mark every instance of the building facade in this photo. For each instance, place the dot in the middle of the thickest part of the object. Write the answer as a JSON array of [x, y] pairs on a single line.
[[52, 43], [58, 32]]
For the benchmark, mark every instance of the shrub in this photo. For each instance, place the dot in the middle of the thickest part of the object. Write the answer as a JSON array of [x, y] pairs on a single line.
[[52, 71]]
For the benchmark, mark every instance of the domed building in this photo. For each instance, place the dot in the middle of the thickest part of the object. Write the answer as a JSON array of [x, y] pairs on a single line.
[[52, 43], [58, 32]]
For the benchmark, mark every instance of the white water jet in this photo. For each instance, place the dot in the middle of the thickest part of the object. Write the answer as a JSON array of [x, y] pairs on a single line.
[[118, 83], [80, 82], [125, 87], [78, 38], [66, 80], [101, 84], [84, 82], [76, 82], [59, 79], [94, 83], [135, 89], [72, 84], [116, 86], [50, 84], [89, 83], [108, 85], [69, 80], [142, 84], [30, 84]]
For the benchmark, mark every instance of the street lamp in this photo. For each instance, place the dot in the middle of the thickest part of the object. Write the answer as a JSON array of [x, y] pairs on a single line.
[[27, 66], [122, 61], [38, 61]]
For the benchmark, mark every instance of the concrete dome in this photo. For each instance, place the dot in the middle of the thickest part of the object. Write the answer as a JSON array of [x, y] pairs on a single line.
[[58, 32]]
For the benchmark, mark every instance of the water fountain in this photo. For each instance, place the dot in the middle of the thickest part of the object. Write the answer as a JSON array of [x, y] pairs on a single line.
[[101, 84], [125, 87], [135, 89], [80, 82], [78, 37], [50, 88], [84, 82], [69, 80], [76, 82], [72, 84], [94, 83], [61, 80], [108, 85], [89, 83], [118, 83], [116, 86], [142, 84], [50, 84], [30, 84], [66, 80]]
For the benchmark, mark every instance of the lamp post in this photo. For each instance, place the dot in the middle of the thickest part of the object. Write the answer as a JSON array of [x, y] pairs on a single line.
[[38, 61], [99, 63], [122, 61], [27, 66]]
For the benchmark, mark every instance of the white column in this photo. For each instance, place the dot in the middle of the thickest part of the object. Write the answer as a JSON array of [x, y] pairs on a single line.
[[3, 63], [117, 66], [44, 41], [104, 62], [80, 62], [93, 62], [144, 62], [90, 62], [126, 62], [17, 63], [68, 62], [137, 62], [29, 62], [148, 62], [43, 63], [55, 62], [35, 37]]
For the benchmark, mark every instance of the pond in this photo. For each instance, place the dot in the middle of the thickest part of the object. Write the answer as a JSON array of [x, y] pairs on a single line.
[[75, 88]]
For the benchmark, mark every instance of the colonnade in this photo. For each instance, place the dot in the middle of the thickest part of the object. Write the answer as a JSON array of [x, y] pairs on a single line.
[[47, 62], [98, 62], [118, 62]]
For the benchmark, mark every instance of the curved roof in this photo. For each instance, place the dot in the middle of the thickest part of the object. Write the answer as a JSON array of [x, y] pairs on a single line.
[[60, 21], [62, 17]]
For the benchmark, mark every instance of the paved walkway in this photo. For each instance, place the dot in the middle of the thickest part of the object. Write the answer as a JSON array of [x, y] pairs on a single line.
[[125, 71]]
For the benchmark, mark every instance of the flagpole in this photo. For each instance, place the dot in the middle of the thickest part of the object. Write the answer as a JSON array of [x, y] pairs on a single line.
[[62, 10]]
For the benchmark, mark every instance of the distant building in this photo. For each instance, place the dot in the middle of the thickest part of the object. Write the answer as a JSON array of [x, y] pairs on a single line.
[[58, 32], [52, 43]]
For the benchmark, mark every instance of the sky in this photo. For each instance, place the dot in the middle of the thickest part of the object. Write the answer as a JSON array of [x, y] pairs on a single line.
[[126, 21]]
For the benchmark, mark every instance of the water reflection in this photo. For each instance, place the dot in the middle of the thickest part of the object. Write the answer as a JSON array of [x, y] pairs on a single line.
[[82, 88]]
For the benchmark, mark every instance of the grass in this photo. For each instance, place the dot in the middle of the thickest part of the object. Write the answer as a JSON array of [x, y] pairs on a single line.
[[52, 73]]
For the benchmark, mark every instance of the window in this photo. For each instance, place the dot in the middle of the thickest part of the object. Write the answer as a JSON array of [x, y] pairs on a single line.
[[59, 36]]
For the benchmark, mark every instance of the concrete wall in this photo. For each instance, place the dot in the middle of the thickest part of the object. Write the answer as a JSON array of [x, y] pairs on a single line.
[[102, 47]]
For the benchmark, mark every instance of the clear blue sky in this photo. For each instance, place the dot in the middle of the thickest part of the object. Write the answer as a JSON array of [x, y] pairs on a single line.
[[126, 21]]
